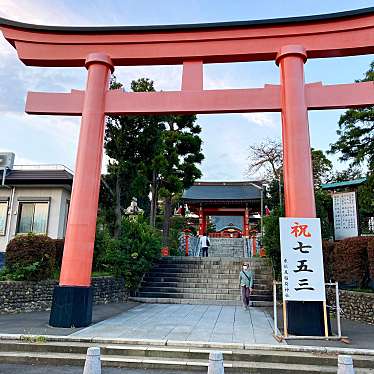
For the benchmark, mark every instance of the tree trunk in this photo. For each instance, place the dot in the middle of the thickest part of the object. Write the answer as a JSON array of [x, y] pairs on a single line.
[[117, 208], [152, 218], [167, 214]]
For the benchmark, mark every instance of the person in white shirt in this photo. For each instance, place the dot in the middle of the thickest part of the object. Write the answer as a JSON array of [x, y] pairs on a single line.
[[204, 242]]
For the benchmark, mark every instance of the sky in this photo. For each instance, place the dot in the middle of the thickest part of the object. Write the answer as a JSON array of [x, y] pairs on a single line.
[[226, 137]]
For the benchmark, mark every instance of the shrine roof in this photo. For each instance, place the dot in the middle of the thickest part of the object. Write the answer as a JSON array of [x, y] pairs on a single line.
[[223, 191], [196, 26], [344, 184]]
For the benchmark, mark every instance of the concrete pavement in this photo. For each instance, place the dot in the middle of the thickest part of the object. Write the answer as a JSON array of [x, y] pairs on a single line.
[[183, 322], [37, 322]]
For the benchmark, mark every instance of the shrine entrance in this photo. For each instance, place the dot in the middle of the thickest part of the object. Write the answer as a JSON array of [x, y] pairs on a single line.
[[227, 210], [289, 42]]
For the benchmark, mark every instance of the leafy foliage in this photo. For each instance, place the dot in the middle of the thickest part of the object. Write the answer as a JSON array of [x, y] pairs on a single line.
[[356, 132], [30, 257], [323, 207], [132, 143], [271, 240], [322, 167], [350, 262], [160, 152], [365, 195], [132, 253]]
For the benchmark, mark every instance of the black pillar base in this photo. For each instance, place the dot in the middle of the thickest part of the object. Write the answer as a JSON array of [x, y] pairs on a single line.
[[305, 318], [71, 306]]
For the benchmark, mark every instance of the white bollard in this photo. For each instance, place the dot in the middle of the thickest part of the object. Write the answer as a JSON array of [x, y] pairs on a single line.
[[93, 363], [215, 363], [345, 364]]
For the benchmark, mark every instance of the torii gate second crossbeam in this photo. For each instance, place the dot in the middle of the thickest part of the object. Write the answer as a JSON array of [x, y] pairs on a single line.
[[289, 42]]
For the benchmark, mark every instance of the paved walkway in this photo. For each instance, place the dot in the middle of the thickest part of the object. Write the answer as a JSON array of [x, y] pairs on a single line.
[[207, 323]]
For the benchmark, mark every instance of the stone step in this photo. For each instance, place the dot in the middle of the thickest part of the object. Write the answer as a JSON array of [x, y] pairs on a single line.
[[161, 363], [202, 265], [203, 282], [203, 275], [221, 271], [219, 290], [191, 295], [182, 356], [212, 259], [155, 300], [256, 286]]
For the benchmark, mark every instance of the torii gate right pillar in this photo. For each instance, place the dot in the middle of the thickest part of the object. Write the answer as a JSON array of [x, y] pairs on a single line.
[[297, 171], [297, 164]]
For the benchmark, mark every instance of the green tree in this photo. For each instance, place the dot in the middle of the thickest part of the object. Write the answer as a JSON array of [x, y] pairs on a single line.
[[322, 167], [365, 197], [131, 142], [176, 166], [356, 133], [356, 145], [271, 240], [156, 154], [132, 253], [346, 175]]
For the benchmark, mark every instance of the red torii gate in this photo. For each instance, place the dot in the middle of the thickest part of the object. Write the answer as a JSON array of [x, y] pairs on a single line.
[[288, 42]]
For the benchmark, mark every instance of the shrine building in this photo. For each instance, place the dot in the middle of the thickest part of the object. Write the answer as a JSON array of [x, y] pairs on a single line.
[[232, 208]]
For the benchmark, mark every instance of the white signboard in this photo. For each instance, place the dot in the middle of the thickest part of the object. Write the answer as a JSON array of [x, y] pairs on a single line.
[[345, 215], [302, 260]]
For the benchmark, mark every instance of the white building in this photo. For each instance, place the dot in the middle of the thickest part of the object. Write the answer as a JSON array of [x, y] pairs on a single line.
[[34, 199]]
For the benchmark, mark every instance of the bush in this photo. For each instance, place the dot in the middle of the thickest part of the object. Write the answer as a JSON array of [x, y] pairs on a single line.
[[177, 225], [271, 241], [371, 260], [323, 206], [328, 252], [30, 257], [350, 262], [132, 254], [59, 243]]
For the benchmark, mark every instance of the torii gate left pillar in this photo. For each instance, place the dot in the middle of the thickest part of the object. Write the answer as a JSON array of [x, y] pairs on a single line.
[[72, 298]]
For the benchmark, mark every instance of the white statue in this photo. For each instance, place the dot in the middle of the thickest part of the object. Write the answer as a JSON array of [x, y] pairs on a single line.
[[133, 209]]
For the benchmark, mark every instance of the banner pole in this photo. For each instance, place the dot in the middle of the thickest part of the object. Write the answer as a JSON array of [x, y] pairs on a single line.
[[285, 333], [338, 309], [275, 307], [325, 319]]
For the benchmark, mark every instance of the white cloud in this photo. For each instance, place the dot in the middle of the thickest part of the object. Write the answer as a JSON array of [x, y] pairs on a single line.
[[166, 78], [262, 119], [39, 12]]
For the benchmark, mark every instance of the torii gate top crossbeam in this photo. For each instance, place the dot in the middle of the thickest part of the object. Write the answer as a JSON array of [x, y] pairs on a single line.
[[331, 35]]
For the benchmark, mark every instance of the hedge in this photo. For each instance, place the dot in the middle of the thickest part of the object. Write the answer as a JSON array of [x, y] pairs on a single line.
[[350, 261], [371, 258], [31, 257]]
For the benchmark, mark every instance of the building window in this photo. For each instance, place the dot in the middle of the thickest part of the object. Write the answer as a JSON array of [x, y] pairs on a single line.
[[3, 217], [67, 207], [33, 217]]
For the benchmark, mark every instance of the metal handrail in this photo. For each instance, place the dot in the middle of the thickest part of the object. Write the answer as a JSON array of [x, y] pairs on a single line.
[[193, 245]]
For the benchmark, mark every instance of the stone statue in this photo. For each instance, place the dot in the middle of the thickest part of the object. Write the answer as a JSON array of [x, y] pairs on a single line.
[[133, 209]]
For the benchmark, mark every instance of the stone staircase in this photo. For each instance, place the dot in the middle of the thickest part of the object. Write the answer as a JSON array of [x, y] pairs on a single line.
[[201, 280], [226, 247], [179, 356]]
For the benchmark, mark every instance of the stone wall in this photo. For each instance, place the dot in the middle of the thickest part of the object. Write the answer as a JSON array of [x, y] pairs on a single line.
[[357, 306], [36, 296]]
